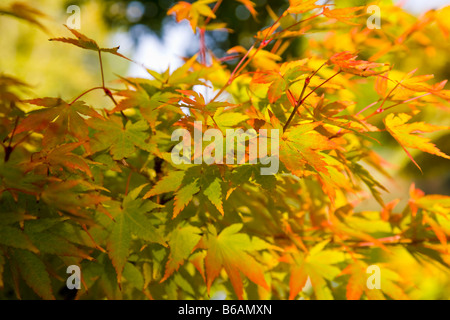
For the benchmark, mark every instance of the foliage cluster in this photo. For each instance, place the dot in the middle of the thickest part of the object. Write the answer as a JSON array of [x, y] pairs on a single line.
[[95, 187]]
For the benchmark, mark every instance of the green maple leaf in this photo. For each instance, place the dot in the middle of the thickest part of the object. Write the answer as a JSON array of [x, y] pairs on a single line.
[[130, 219], [75, 197], [184, 196], [133, 276], [102, 272], [185, 184], [300, 146], [182, 241], [41, 234], [318, 264], [148, 105], [404, 133], [214, 194], [16, 238], [120, 141], [230, 250], [34, 273], [169, 183]]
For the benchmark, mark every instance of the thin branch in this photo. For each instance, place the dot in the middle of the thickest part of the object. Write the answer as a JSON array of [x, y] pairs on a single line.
[[14, 131], [202, 34], [9, 149], [22, 140], [127, 188], [406, 101], [329, 79], [202, 46]]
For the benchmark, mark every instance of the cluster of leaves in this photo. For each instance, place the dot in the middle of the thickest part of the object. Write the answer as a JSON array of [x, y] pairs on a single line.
[[96, 187]]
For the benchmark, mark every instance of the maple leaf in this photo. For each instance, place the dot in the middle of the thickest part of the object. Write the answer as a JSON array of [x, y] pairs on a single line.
[[147, 105], [369, 181], [56, 158], [318, 265], [133, 99], [403, 132], [250, 5], [345, 230], [34, 273], [347, 62], [439, 204], [417, 83], [185, 185], [42, 233], [410, 85], [75, 197], [184, 196], [189, 72], [197, 101], [226, 119], [192, 12], [57, 118], [55, 206], [182, 242], [343, 14], [276, 89], [16, 238], [172, 183], [130, 219], [86, 43], [357, 283], [280, 81], [16, 180], [261, 59], [301, 146], [214, 194], [230, 250], [169, 183], [302, 6], [120, 141], [442, 21]]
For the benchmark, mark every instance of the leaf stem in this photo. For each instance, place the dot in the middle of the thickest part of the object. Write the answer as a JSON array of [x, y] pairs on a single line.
[[101, 67], [9, 149], [84, 93], [301, 99], [295, 24], [241, 65], [380, 109], [298, 104], [214, 10]]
